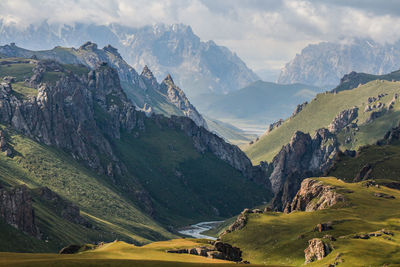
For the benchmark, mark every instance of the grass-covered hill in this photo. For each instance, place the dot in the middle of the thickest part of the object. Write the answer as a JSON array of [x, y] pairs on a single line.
[[280, 239], [321, 111], [259, 103], [164, 181]]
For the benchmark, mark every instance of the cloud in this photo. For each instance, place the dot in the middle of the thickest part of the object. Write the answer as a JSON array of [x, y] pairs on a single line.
[[262, 32]]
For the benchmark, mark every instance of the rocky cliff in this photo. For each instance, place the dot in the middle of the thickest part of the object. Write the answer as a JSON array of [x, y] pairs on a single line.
[[314, 195], [16, 209], [63, 112], [303, 157], [177, 97]]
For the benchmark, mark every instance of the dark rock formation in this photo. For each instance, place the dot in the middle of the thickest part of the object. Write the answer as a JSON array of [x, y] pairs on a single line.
[[383, 195], [314, 195], [66, 209], [343, 119], [317, 250], [219, 250], [303, 157], [240, 221], [299, 108], [391, 137], [71, 249], [273, 126], [364, 173], [322, 227], [16, 209]]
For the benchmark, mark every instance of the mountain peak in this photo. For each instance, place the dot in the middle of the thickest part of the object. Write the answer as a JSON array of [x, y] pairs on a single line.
[[146, 73], [88, 46], [112, 50], [169, 79]]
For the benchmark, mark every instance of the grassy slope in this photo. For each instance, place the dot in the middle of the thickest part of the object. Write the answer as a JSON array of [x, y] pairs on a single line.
[[119, 254], [184, 183], [272, 238], [39, 165], [322, 110]]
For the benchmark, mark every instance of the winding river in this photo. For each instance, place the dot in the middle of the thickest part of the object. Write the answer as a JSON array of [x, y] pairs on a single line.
[[197, 229]]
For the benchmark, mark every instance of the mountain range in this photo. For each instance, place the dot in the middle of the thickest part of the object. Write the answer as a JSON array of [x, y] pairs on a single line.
[[325, 63], [199, 67]]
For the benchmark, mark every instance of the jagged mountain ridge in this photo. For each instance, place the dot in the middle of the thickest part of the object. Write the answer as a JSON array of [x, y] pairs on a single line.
[[197, 66], [325, 63], [143, 89]]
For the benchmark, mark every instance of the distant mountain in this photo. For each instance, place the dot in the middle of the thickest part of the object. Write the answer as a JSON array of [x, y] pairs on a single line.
[[325, 63], [259, 103], [199, 67]]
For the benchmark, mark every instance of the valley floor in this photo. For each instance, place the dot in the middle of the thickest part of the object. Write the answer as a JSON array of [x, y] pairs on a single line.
[[118, 254]]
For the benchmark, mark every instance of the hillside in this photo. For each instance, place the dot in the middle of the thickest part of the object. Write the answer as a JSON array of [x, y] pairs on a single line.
[[353, 233], [259, 103], [372, 122], [74, 131], [324, 64]]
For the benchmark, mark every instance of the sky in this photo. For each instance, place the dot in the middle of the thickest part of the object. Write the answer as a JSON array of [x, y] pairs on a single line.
[[266, 34]]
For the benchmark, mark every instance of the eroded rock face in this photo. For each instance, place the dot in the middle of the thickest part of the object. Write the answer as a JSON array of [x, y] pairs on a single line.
[[314, 195], [16, 209], [178, 98], [343, 119], [303, 157], [273, 126], [63, 114], [299, 108], [317, 250]]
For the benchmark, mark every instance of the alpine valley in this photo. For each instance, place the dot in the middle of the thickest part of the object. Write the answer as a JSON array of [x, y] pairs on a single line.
[[141, 146]]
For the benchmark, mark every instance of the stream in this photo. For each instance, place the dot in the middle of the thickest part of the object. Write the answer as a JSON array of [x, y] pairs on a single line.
[[197, 229]]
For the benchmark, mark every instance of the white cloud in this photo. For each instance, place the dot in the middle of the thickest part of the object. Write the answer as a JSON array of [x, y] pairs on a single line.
[[260, 31]]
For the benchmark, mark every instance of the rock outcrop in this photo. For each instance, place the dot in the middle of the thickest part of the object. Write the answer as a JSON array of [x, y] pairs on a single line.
[[303, 157], [314, 195], [218, 250], [178, 98], [299, 108], [343, 119], [273, 126], [240, 221], [317, 250], [16, 209]]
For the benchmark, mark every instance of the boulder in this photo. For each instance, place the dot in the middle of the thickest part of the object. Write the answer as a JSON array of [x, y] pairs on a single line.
[[322, 227], [317, 249], [229, 253]]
